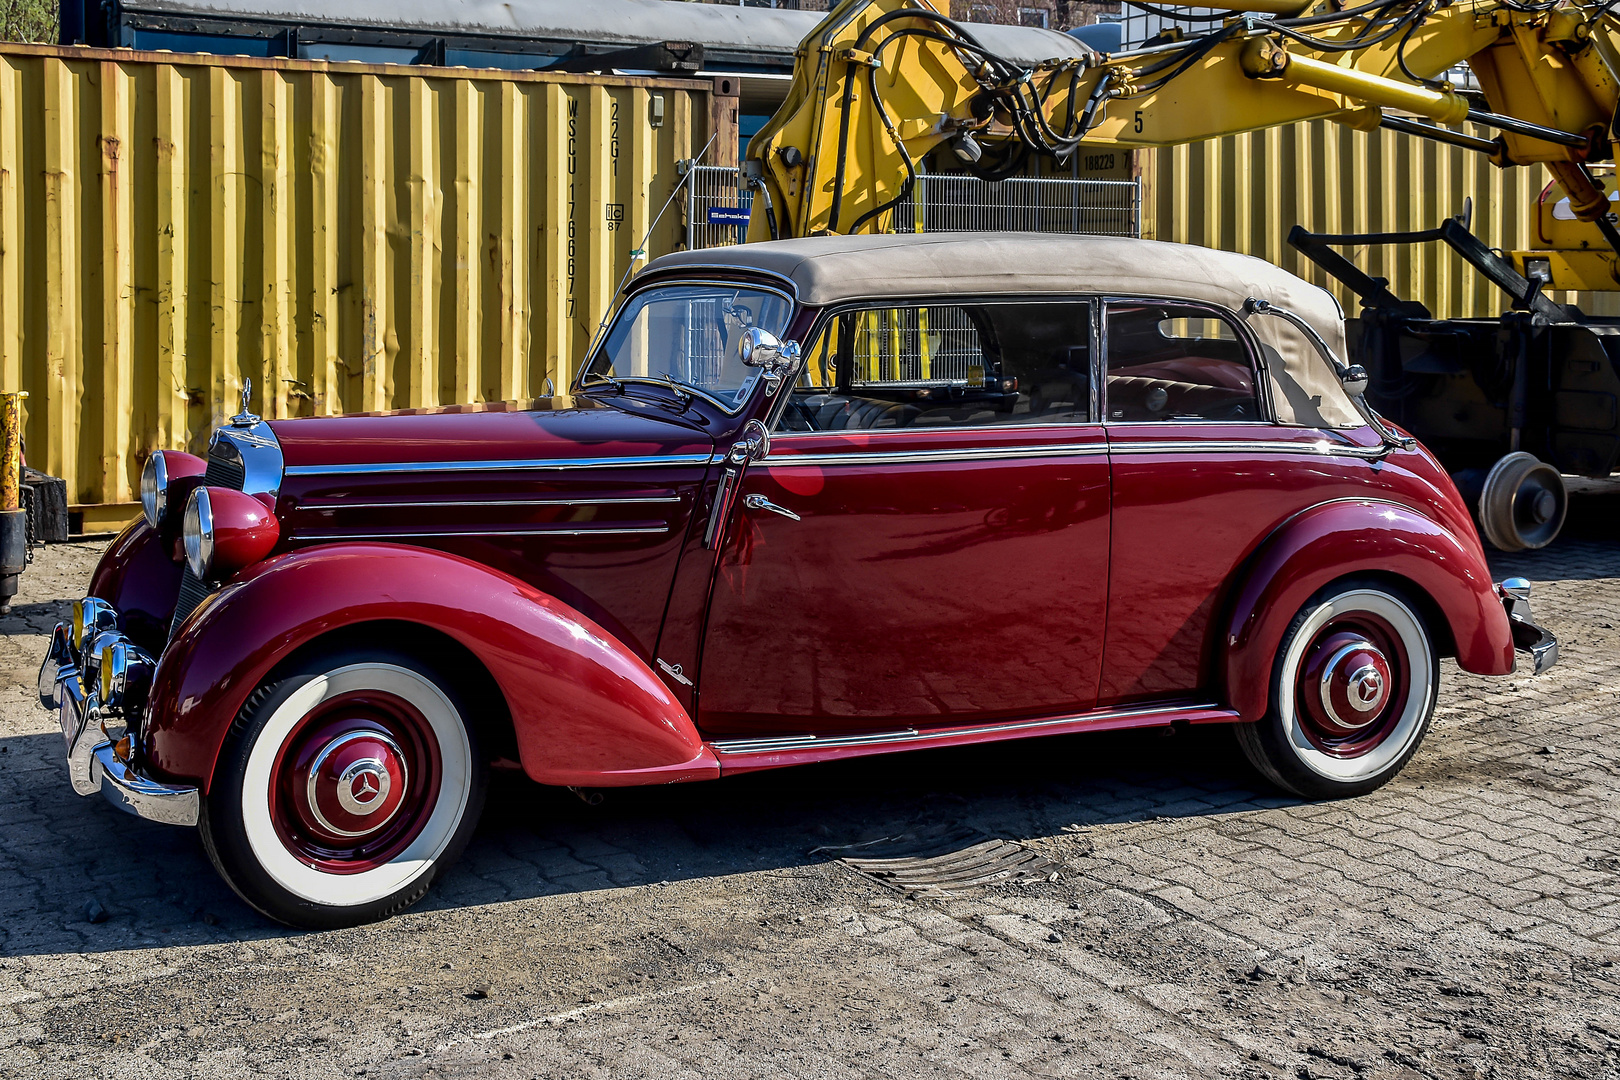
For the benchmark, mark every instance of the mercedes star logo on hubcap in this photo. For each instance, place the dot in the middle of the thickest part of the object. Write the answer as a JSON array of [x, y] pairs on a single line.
[[363, 786], [1366, 688]]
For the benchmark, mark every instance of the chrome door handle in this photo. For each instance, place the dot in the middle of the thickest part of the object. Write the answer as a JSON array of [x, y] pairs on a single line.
[[760, 502]]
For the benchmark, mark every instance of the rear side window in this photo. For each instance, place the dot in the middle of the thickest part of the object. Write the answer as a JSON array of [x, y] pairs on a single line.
[[1170, 361], [946, 365]]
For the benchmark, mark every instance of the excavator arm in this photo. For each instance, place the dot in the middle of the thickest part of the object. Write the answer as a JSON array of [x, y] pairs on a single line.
[[880, 85]]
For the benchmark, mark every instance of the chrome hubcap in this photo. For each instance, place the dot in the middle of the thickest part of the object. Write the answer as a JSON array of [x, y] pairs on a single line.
[[357, 783], [1350, 682]]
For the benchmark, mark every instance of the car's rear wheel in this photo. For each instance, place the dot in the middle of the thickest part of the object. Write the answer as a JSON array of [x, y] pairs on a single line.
[[1353, 690], [345, 786]]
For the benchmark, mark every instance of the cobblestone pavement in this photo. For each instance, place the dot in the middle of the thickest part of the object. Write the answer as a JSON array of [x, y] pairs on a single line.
[[1462, 921]]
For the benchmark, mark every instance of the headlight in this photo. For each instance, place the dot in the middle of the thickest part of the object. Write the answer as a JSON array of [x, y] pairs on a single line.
[[160, 484], [154, 489], [197, 533], [226, 531]]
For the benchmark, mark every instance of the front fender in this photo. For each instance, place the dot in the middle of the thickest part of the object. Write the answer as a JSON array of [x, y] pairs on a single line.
[[1360, 536], [139, 577], [587, 711]]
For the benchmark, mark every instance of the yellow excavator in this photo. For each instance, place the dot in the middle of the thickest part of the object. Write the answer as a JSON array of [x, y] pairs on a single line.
[[883, 89]]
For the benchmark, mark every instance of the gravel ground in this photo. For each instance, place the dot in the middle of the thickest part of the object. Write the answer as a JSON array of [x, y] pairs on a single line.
[[1462, 921]]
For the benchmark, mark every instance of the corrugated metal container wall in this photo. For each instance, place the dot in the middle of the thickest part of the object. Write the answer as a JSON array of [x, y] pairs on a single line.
[[1245, 192], [352, 237]]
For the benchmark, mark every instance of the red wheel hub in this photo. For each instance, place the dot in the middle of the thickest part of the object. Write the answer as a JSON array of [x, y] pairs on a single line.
[[355, 785], [1347, 682], [1350, 687], [355, 782]]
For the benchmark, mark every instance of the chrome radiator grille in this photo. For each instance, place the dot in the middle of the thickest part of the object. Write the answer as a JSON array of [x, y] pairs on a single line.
[[224, 471], [192, 593]]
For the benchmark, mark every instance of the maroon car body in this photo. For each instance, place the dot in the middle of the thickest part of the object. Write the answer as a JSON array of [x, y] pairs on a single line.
[[849, 549]]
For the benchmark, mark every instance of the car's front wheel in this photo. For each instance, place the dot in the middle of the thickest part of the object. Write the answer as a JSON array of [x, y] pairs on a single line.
[[346, 784], [1353, 690]]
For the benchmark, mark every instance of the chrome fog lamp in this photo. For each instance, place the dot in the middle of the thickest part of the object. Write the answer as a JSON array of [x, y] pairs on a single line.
[[154, 489], [126, 676], [197, 534], [90, 617], [90, 664]]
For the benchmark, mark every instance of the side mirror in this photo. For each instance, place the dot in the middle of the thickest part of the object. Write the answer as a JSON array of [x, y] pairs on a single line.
[[1354, 379], [761, 349]]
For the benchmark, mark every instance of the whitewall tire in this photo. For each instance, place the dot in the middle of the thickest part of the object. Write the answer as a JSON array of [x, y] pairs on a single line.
[[1353, 691], [344, 787]]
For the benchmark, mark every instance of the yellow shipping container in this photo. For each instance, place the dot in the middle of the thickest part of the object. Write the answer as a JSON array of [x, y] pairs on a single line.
[[1245, 192], [352, 237]]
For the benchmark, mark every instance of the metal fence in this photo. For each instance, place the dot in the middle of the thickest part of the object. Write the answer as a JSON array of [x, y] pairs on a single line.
[[968, 204], [718, 204], [918, 346]]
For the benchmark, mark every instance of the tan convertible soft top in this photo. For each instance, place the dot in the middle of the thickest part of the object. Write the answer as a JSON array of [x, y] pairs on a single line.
[[832, 269]]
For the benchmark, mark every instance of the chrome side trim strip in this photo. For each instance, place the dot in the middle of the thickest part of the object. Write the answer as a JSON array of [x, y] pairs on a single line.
[[778, 743], [1241, 446], [430, 503], [666, 461], [907, 457], [879, 434], [476, 533]]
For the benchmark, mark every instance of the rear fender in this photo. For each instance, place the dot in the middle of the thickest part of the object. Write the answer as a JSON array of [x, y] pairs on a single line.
[[586, 710], [1360, 536]]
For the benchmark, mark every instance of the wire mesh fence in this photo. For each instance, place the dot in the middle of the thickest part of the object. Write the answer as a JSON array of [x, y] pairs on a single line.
[[718, 204], [918, 346], [968, 204]]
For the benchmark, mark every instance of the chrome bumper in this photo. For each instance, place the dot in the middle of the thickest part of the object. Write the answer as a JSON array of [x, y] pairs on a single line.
[[93, 742], [1527, 636]]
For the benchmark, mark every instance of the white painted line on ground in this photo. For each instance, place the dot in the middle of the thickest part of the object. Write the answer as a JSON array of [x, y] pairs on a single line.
[[571, 1014]]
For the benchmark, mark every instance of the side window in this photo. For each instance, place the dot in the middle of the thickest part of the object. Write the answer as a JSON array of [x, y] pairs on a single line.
[[942, 365], [1170, 361]]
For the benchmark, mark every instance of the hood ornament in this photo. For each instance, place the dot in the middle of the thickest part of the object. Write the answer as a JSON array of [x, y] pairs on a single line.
[[245, 418]]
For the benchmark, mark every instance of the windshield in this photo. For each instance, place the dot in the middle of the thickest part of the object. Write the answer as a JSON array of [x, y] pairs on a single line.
[[688, 334]]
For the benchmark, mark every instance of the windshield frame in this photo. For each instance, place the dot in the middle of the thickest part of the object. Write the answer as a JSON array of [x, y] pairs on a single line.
[[751, 386]]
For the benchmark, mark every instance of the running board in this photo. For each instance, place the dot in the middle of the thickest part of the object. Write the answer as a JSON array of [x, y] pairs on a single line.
[[774, 751]]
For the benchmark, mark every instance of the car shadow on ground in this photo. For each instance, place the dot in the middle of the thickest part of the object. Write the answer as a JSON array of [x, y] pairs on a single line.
[[77, 875]]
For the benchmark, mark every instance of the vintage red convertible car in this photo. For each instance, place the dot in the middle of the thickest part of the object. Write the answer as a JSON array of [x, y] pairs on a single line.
[[1010, 486]]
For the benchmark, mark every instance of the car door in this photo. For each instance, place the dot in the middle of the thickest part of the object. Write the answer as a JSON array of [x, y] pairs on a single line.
[[1201, 474], [926, 541]]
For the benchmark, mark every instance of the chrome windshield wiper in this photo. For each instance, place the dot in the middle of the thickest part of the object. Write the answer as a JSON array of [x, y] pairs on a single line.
[[682, 394], [596, 378]]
